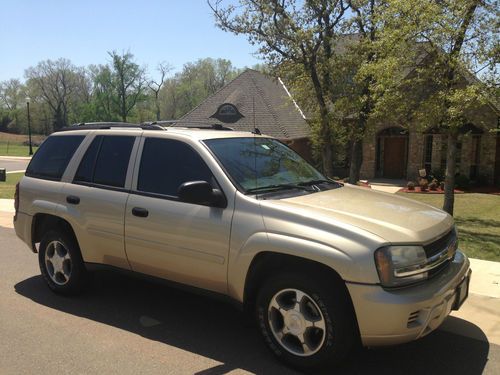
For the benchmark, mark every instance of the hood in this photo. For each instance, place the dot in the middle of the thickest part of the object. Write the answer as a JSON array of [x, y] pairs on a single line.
[[389, 216]]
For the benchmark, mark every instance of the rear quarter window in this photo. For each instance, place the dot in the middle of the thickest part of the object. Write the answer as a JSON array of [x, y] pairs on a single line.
[[53, 156]]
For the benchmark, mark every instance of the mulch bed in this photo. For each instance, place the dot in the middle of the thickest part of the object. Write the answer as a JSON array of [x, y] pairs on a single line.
[[482, 190], [438, 191]]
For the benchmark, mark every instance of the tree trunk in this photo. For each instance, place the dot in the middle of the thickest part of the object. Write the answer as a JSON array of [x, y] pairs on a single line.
[[327, 159], [356, 160], [449, 183], [325, 133], [157, 103]]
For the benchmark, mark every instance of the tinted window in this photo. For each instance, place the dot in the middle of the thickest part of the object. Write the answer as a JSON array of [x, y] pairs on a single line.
[[85, 172], [260, 162], [112, 162], [166, 164], [53, 157]]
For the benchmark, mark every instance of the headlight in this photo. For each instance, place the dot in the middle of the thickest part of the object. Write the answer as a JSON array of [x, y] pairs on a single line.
[[400, 265]]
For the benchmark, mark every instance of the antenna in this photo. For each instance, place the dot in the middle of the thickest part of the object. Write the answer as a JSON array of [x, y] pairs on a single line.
[[255, 132]]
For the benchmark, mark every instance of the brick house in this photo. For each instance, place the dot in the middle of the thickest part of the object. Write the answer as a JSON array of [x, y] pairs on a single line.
[[389, 151], [399, 152]]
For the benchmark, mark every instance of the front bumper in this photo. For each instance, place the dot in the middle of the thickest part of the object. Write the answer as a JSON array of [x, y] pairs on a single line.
[[387, 317]]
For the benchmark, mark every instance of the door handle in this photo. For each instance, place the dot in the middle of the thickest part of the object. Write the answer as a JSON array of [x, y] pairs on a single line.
[[140, 212], [71, 199]]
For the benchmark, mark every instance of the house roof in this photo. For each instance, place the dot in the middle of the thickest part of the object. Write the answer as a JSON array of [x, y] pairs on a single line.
[[261, 101]]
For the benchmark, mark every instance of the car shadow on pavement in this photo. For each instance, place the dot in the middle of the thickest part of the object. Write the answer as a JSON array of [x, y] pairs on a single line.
[[216, 330]]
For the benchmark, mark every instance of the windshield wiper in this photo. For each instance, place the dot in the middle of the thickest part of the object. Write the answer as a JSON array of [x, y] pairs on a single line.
[[279, 187]]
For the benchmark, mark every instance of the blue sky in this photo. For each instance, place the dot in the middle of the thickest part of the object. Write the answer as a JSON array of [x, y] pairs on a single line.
[[175, 31]]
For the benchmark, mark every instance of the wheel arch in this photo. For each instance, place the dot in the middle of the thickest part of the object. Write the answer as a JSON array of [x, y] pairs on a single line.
[[267, 263], [43, 222]]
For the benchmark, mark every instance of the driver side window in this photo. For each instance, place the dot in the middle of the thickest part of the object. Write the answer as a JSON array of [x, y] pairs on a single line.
[[166, 164]]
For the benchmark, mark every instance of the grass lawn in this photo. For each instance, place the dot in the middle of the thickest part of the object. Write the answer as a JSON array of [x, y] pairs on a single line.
[[14, 149], [478, 221], [8, 188]]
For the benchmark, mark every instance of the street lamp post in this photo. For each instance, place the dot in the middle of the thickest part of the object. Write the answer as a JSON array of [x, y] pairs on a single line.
[[29, 124]]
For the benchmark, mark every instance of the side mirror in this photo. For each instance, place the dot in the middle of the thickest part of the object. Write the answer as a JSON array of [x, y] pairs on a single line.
[[201, 192]]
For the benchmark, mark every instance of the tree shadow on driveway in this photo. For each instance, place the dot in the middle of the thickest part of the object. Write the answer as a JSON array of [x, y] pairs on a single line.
[[214, 329]]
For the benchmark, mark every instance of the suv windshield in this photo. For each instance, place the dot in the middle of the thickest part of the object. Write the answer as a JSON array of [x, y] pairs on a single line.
[[260, 164]]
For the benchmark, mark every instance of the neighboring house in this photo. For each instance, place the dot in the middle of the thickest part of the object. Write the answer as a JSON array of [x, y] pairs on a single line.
[[252, 100], [397, 152], [393, 151]]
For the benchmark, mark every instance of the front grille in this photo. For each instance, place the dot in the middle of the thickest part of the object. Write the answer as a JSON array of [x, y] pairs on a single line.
[[448, 241], [442, 243]]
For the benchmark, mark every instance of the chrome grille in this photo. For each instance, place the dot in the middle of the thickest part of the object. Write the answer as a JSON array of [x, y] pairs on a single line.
[[442, 243]]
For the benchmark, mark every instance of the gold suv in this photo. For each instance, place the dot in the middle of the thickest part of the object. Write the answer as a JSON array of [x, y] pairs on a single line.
[[322, 265]]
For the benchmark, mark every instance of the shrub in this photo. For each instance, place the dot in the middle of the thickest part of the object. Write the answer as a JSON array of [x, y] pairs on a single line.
[[462, 182], [424, 184], [410, 185], [433, 185], [438, 174], [441, 185]]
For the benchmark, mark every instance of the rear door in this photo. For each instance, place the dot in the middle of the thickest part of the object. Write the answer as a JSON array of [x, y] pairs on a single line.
[[97, 195], [183, 242]]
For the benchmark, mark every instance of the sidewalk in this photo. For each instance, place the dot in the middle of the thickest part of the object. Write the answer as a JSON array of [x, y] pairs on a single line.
[[15, 157]]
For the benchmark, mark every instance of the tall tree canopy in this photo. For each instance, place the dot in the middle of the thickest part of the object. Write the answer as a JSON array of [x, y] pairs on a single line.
[[300, 35], [59, 84], [427, 54]]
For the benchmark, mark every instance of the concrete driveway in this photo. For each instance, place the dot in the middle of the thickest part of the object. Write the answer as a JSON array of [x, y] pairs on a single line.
[[123, 325]]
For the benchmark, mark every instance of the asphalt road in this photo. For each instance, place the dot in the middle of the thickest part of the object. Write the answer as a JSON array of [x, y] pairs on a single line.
[[124, 325], [13, 164]]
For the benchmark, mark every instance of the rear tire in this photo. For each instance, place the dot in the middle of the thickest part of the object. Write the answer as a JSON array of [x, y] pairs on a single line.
[[61, 263], [307, 323]]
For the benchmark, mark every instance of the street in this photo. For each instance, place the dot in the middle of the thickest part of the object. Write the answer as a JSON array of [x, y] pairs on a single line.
[[13, 163], [123, 325]]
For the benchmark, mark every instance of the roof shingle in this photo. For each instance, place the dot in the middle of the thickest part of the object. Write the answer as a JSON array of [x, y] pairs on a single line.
[[264, 103]]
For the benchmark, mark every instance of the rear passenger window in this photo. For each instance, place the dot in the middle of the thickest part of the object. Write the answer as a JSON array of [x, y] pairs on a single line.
[[53, 156], [167, 163], [106, 161], [85, 171]]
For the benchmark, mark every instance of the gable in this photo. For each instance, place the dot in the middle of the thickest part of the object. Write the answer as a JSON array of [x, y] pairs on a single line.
[[259, 101]]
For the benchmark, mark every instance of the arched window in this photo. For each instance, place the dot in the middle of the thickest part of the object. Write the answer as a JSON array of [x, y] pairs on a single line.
[[228, 113]]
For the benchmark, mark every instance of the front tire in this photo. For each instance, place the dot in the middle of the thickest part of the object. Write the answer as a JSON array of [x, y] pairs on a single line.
[[307, 323], [61, 263]]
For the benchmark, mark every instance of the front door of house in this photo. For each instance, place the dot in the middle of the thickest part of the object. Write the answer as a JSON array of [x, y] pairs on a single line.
[[394, 157]]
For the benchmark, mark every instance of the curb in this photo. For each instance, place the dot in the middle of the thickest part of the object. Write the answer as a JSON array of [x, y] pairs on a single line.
[[19, 171]]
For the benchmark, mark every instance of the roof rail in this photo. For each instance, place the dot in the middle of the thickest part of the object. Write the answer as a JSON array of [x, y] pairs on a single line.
[[190, 124], [109, 125]]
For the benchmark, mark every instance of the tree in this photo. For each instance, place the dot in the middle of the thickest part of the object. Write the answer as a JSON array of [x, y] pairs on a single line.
[[156, 86], [128, 82], [103, 93], [12, 96], [301, 36], [59, 84], [427, 53], [193, 84]]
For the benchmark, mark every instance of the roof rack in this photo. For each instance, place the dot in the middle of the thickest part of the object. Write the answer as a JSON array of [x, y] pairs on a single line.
[[110, 125], [190, 124]]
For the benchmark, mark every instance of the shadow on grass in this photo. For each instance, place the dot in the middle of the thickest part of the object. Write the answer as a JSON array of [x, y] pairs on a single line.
[[215, 330], [477, 222]]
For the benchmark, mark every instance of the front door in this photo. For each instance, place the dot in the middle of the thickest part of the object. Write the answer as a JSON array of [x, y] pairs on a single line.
[[394, 157], [165, 237]]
